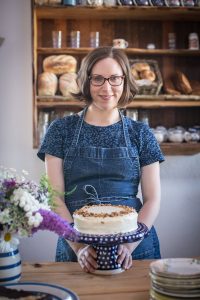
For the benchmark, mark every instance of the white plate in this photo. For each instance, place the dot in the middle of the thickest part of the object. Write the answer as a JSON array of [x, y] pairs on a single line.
[[176, 267], [58, 292]]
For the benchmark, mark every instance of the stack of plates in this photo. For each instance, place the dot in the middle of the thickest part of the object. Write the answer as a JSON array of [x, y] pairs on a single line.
[[175, 278]]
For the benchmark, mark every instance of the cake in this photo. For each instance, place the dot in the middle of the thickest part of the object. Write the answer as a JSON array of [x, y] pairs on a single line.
[[11, 294], [105, 219]]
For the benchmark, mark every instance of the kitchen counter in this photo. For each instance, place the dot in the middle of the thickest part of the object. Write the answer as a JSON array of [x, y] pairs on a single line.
[[133, 284]]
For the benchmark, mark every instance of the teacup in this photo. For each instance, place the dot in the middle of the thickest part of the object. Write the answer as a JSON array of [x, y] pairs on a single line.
[[120, 43]]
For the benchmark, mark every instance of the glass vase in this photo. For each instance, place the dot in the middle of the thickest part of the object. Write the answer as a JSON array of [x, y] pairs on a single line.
[[10, 267]]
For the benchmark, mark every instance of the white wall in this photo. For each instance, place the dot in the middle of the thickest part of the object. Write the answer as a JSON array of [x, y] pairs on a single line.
[[178, 223]]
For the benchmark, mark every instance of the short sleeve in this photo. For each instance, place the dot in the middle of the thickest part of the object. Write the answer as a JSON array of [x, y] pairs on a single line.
[[53, 142], [150, 151]]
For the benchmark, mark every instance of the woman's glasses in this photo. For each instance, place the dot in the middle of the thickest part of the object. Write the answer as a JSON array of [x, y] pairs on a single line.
[[98, 80]]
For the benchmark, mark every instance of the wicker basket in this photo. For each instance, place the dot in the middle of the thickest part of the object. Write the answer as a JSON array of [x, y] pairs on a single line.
[[155, 87]]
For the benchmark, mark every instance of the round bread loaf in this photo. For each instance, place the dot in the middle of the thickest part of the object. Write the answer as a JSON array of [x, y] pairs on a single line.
[[141, 66], [68, 85], [60, 64], [148, 74], [47, 84], [135, 74]]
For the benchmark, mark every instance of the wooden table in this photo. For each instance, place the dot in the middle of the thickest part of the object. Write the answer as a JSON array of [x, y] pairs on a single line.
[[133, 284]]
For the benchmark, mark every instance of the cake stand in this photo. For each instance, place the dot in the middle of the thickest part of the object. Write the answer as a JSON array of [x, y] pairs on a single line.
[[106, 247]]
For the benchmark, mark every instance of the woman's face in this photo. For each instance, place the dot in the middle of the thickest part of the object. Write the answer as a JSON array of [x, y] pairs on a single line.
[[106, 96]]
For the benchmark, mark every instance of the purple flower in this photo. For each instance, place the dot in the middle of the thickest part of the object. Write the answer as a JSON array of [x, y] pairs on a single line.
[[9, 183], [53, 222]]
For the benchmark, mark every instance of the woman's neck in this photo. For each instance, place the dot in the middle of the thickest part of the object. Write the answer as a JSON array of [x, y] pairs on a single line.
[[99, 117]]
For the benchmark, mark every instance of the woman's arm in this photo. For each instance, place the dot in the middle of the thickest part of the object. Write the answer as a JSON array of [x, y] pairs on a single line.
[[54, 170], [150, 187], [151, 192]]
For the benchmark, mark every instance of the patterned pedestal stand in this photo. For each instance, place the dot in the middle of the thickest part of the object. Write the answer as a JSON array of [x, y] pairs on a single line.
[[106, 247]]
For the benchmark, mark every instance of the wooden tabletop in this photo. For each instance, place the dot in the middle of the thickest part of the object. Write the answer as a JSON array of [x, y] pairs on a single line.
[[133, 284]]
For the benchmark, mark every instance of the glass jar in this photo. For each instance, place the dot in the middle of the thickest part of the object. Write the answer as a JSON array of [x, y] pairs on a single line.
[[159, 135], [173, 3], [141, 2], [188, 3], [191, 136], [164, 131], [193, 41], [176, 135]]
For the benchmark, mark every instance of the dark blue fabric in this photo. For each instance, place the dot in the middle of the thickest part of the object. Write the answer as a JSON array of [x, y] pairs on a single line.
[[103, 164], [60, 134]]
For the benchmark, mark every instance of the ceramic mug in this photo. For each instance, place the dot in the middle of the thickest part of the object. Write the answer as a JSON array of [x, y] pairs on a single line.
[[120, 43]]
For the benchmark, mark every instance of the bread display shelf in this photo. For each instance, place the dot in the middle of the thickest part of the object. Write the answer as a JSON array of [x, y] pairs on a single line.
[[129, 51], [119, 12], [140, 26]]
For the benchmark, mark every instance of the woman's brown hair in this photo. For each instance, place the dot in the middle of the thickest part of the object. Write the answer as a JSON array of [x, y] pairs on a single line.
[[87, 65]]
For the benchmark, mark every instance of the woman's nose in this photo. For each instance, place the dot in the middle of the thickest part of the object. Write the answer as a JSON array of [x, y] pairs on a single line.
[[106, 85]]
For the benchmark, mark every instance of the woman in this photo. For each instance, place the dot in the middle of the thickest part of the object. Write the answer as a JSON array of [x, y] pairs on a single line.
[[103, 156]]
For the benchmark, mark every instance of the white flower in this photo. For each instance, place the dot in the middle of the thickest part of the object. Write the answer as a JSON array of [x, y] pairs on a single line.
[[4, 216], [8, 242]]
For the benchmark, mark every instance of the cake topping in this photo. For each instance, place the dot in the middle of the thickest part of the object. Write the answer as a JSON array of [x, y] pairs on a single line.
[[107, 210]]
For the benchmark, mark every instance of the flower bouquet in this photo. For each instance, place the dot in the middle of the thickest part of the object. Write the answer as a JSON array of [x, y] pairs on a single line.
[[25, 208]]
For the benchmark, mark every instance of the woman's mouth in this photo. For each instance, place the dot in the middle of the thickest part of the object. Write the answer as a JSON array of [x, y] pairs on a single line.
[[106, 97]]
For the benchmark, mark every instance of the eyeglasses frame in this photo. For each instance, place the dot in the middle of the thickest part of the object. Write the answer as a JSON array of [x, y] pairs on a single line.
[[122, 77]]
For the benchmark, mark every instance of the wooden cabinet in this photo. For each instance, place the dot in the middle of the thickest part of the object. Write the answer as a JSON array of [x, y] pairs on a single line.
[[139, 26]]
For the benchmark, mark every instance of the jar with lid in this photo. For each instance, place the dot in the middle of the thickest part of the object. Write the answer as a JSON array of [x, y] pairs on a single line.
[[188, 3], [172, 40], [159, 135], [191, 136], [176, 135], [193, 41], [164, 131], [173, 2]]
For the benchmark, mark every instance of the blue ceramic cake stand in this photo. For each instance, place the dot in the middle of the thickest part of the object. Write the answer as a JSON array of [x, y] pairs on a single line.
[[106, 247]]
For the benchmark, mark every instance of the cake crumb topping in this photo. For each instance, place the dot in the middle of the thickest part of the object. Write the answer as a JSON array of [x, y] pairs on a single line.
[[123, 210]]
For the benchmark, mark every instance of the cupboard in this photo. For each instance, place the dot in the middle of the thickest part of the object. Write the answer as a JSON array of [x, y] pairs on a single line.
[[139, 26]]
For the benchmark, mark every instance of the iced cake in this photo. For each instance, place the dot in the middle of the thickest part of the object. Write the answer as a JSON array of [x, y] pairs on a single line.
[[105, 219]]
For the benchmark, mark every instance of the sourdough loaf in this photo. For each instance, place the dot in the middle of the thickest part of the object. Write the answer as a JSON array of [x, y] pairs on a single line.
[[47, 84], [60, 64], [68, 85]]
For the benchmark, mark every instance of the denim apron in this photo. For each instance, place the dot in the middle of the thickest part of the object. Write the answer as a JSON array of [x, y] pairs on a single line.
[[103, 175]]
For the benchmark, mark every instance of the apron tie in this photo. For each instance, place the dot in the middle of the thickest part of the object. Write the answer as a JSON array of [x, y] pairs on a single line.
[[93, 196]]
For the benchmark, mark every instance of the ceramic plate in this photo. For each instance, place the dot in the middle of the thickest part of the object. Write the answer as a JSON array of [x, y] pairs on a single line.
[[183, 283], [176, 267], [58, 292], [178, 294]]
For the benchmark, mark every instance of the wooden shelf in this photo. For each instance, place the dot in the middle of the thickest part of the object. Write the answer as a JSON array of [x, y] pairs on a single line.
[[138, 102], [119, 12], [129, 51], [180, 148]]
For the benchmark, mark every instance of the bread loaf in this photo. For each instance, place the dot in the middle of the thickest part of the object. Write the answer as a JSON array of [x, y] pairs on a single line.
[[182, 83], [141, 66], [148, 74], [68, 85], [47, 84], [169, 87], [60, 64], [135, 74]]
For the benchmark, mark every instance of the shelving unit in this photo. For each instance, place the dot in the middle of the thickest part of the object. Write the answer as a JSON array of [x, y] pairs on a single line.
[[139, 26]]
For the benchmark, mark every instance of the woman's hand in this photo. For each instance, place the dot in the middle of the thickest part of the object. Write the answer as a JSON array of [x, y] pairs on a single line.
[[87, 258], [124, 255]]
